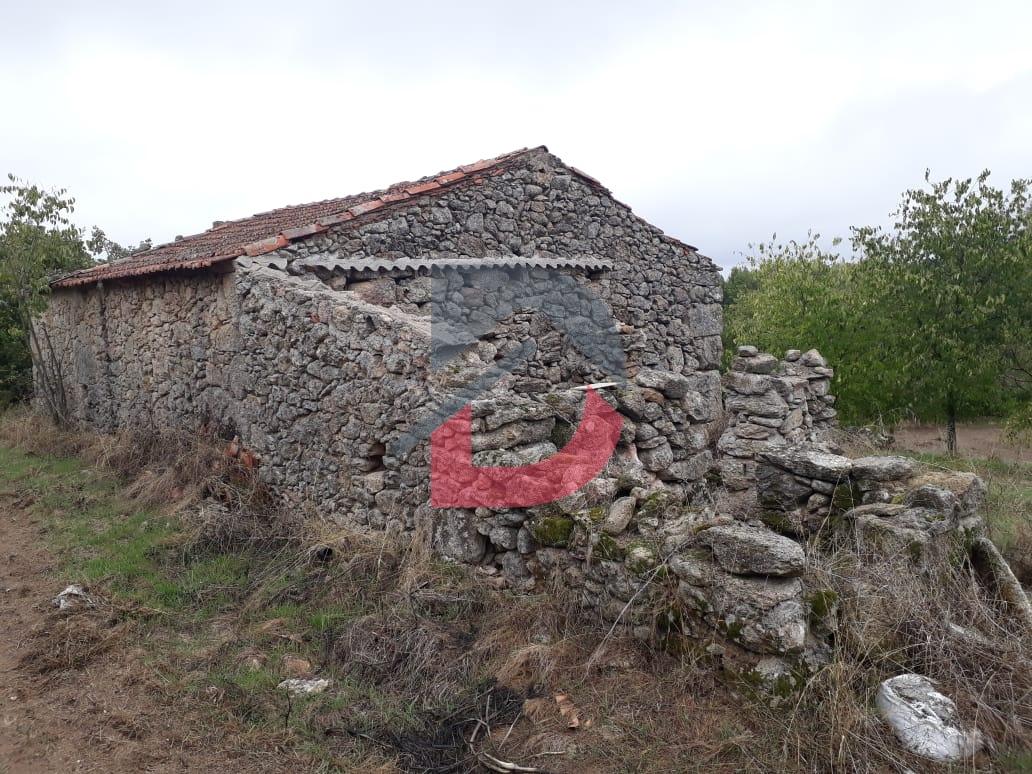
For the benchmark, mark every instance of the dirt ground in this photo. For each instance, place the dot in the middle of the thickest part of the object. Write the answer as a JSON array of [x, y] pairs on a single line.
[[981, 440], [103, 718]]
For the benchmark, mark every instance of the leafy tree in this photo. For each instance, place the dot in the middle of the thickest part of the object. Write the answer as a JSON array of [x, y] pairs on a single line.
[[954, 274], [741, 281], [37, 241], [799, 294]]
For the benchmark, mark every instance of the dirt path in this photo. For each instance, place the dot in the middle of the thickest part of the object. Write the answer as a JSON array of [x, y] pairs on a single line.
[[102, 718]]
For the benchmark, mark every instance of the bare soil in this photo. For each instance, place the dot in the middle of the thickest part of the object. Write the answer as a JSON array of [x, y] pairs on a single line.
[[106, 716], [979, 440]]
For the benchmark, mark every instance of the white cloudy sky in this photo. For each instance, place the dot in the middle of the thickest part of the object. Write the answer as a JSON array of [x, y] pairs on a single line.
[[719, 122]]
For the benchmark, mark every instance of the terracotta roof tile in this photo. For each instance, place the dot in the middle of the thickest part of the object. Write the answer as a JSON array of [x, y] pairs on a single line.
[[432, 185], [267, 231], [451, 177], [364, 207], [266, 245]]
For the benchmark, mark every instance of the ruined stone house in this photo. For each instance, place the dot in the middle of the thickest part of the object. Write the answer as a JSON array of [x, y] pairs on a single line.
[[306, 333], [304, 330]]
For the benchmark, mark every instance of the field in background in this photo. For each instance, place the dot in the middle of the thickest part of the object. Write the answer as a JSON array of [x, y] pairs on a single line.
[[975, 440], [205, 612]]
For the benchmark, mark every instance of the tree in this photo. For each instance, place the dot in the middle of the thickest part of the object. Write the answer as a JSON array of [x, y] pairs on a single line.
[[37, 241], [800, 294], [955, 276], [740, 282]]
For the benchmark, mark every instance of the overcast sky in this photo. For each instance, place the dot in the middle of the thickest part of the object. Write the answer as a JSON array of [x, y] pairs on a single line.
[[719, 122]]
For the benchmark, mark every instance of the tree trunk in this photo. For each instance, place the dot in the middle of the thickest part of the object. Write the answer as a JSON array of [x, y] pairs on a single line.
[[951, 427]]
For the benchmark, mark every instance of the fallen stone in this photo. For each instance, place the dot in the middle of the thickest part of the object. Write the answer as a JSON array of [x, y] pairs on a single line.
[[747, 350], [924, 720]]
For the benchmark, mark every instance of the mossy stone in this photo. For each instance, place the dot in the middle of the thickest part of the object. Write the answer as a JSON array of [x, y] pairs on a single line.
[[607, 548], [553, 531]]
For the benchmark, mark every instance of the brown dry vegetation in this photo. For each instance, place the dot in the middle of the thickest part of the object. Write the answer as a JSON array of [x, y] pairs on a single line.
[[214, 595]]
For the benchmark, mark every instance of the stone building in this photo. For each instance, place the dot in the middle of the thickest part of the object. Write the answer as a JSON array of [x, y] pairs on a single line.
[[313, 334], [306, 331]]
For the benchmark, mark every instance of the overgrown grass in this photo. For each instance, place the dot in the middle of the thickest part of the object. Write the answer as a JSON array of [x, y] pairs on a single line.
[[228, 600]]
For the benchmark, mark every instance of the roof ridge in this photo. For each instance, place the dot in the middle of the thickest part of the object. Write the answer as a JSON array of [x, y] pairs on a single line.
[[365, 196], [248, 236]]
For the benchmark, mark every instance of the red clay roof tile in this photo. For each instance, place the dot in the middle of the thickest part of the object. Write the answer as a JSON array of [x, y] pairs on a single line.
[[302, 231], [269, 230], [263, 246], [274, 229], [431, 185], [363, 207], [451, 177]]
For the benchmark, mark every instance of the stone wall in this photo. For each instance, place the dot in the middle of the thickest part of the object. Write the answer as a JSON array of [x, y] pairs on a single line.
[[320, 384], [152, 354], [668, 293], [771, 404]]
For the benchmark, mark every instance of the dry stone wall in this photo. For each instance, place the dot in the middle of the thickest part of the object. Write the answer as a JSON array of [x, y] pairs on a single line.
[[669, 294], [151, 354], [771, 404]]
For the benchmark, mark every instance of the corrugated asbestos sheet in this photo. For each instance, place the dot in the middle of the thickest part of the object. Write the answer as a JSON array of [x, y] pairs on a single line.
[[426, 266]]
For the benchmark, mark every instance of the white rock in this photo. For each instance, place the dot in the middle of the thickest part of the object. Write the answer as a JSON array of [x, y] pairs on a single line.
[[924, 720], [297, 687], [73, 597]]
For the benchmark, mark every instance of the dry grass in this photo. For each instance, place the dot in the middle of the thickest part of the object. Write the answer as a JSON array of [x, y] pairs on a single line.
[[73, 640], [176, 467], [948, 626], [434, 671]]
